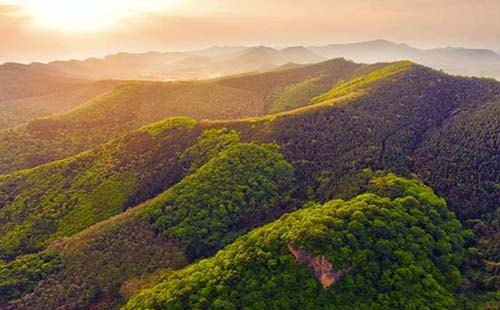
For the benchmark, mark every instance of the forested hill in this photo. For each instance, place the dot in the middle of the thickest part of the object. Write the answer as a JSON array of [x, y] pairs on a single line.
[[380, 244], [384, 120], [212, 181], [28, 92], [229, 188], [134, 104], [370, 252]]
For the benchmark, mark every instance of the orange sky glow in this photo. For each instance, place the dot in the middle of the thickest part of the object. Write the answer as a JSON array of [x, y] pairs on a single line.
[[43, 30]]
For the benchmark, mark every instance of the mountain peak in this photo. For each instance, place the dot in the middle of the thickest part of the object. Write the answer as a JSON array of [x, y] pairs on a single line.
[[295, 48], [381, 41]]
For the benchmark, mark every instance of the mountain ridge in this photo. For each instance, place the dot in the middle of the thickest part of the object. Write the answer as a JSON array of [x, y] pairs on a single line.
[[398, 117], [162, 65], [133, 104]]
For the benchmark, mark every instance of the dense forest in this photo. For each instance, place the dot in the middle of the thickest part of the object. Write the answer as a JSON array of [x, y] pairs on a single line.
[[238, 213], [397, 252], [230, 188], [62, 198], [25, 107], [133, 104]]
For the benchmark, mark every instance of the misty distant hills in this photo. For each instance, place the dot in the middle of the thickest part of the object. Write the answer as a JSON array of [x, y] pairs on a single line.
[[37, 89], [220, 61], [455, 60], [210, 63]]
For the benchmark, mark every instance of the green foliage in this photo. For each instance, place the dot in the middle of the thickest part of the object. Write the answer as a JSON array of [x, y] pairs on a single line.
[[135, 285], [209, 145], [242, 187], [461, 160], [131, 105], [98, 260], [382, 130], [358, 85], [239, 187], [64, 197], [128, 107], [297, 95], [404, 118], [20, 276], [475, 301], [400, 253]]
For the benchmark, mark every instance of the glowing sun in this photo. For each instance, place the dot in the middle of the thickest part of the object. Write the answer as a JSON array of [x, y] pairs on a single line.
[[87, 15]]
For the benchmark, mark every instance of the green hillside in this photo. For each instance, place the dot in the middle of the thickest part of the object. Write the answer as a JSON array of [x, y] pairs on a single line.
[[370, 252], [211, 181], [31, 91], [471, 137], [62, 198], [239, 187], [134, 104], [385, 128], [16, 111], [96, 185]]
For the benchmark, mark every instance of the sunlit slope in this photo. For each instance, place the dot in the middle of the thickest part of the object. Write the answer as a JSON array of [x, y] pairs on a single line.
[[289, 89], [134, 104], [62, 198], [30, 91], [233, 187], [20, 110], [21, 81], [378, 124], [394, 123], [399, 250]]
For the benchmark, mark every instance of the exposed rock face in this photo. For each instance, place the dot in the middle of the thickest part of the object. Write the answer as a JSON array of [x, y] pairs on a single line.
[[321, 267]]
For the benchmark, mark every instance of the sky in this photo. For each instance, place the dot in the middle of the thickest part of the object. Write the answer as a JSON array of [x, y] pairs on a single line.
[[44, 30]]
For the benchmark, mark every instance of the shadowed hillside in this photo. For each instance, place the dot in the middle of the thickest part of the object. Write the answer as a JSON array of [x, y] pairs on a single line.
[[64, 197]]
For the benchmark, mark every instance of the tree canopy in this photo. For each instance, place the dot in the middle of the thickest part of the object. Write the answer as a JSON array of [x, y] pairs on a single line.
[[399, 252]]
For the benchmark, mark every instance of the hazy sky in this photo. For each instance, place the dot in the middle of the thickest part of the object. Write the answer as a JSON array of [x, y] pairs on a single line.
[[43, 30]]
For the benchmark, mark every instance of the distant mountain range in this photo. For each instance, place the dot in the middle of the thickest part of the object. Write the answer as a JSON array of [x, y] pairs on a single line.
[[220, 61], [462, 61]]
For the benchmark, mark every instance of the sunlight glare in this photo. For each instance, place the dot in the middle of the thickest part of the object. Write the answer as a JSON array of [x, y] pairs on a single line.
[[88, 15]]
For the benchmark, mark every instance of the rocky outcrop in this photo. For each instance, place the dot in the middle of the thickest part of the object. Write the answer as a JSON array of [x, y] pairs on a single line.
[[319, 265]]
